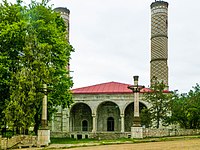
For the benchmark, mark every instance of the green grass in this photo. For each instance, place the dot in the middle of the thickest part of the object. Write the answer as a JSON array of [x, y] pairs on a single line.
[[117, 141], [93, 142]]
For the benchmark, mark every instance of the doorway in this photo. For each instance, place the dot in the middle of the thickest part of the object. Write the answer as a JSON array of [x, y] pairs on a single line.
[[84, 125], [110, 124]]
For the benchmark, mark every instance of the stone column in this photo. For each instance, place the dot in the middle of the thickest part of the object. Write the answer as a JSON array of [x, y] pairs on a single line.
[[136, 105], [94, 124], [68, 121], [68, 124], [52, 123], [122, 123], [64, 120], [44, 108], [136, 120], [136, 129], [44, 132]]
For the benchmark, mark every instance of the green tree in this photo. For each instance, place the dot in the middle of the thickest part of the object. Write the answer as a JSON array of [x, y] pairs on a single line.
[[145, 117], [11, 44], [159, 100], [185, 109], [33, 41]]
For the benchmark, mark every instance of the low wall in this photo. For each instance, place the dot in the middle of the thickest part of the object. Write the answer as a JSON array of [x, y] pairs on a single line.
[[107, 135], [18, 141], [85, 135], [169, 132], [59, 134]]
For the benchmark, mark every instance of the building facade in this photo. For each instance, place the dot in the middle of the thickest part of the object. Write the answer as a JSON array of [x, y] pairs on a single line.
[[98, 109], [108, 108]]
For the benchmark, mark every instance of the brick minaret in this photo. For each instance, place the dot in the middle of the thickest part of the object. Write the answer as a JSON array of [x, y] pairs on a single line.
[[65, 15], [159, 41]]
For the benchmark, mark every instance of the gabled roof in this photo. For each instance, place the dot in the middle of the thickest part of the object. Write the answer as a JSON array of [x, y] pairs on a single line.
[[107, 88]]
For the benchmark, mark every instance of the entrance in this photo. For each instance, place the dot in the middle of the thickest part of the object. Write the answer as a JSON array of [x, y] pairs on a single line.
[[110, 124], [84, 125]]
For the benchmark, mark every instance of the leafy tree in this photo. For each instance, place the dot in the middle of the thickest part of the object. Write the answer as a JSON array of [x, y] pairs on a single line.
[[159, 101], [34, 51], [185, 109], [145, 116], [11, 43]]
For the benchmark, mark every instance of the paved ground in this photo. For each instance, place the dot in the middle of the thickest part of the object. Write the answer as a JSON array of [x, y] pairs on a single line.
[[187, 144]]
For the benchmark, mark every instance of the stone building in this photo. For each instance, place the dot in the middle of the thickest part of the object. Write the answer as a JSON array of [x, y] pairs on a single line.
[[108, 108]]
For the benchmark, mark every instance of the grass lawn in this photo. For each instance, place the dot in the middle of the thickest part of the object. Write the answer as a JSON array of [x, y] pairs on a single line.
[[118, 141]]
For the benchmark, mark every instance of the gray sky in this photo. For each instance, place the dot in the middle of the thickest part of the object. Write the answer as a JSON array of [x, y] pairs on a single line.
[[112, 41]]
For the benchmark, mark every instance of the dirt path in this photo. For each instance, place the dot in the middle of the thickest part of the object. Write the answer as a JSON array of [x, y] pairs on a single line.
[[188, 144]]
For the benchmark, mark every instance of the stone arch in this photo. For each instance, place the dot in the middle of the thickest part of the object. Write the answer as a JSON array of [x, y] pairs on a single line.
[[128, 103], [105, 110], [129, 115], [78, 113], [94, 110]]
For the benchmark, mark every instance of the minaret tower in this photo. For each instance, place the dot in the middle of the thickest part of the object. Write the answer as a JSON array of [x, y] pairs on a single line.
[[64, 12], [159, 41]]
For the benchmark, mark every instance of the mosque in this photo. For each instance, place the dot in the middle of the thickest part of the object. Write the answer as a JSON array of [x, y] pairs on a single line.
[[106, 109]]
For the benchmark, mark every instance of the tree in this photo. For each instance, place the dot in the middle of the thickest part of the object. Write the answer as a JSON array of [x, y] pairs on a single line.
[[11, 43], [145, 116], [159, 101], [185, 109], [34, 43]]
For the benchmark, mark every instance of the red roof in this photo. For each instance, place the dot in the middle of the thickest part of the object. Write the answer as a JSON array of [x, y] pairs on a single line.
[[106, 88]]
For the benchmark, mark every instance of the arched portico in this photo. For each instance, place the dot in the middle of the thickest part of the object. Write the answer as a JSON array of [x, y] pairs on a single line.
[[129, 115], [81, 117], [108, 117]]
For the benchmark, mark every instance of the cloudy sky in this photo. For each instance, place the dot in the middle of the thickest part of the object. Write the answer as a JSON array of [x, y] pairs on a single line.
[[112, 41]]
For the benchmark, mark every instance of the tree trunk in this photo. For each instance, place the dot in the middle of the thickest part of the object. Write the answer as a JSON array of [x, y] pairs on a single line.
[[158, 122], [158, 119], [37, 123]]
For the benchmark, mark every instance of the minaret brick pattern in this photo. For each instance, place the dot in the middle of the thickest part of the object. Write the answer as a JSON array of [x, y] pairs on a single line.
[[159, 41]]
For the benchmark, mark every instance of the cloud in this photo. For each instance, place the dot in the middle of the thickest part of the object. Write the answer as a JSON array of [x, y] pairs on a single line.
[[112, 41]]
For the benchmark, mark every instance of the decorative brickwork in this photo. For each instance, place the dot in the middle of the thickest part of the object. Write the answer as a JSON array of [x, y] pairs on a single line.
[[159, 69], [159, 41]]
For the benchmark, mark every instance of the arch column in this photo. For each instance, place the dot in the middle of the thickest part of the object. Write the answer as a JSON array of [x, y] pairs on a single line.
[[122, 122], [68, 120], [67, 124], [94, 123], [52, 123]]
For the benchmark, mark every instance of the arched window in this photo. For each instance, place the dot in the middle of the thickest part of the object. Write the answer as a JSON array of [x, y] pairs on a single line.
[[84, 125], [110, 124]]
